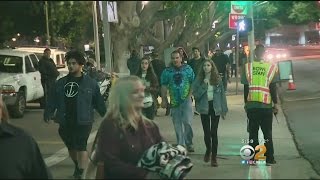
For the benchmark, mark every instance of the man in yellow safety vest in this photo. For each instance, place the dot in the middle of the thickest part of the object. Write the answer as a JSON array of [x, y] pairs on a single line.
[[260, 96]]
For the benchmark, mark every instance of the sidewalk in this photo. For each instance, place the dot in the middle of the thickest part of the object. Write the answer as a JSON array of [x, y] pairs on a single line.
[[231, 132]]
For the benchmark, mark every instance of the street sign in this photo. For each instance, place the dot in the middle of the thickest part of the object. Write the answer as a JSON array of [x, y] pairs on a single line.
[[112, 11], [233, 18], [239, 7]]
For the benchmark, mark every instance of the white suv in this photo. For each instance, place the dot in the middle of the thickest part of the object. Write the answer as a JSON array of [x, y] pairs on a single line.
[[20, 80]]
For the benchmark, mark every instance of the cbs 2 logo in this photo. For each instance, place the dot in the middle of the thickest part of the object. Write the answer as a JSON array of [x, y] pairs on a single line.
[[247, 152]]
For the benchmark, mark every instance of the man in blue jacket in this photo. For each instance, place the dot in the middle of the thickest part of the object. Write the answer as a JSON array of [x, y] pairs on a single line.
[[74, 98]]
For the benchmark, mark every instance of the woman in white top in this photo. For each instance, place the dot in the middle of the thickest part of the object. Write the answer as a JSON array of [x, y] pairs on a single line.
[[150, 80], [211, 103]]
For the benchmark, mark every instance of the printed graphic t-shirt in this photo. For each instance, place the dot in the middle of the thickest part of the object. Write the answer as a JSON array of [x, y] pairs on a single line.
[[178, 82], [71, 90]]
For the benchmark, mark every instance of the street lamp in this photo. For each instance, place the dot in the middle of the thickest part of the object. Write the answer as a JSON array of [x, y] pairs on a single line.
[[37, 40], [18, 34], [197, 33], [13, 39]]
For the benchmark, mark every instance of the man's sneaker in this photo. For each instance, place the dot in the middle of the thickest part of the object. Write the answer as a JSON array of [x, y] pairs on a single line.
[[75, 172], [270, 162], [78, 174], [190, 148]]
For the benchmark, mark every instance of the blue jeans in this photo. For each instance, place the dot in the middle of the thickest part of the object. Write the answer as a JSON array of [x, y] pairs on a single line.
[[182, 117]]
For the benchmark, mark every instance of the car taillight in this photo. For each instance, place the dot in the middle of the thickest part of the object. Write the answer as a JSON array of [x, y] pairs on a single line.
[[270, 56]]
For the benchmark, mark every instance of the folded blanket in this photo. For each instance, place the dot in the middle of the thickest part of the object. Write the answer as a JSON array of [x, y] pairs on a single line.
[[170, 162]]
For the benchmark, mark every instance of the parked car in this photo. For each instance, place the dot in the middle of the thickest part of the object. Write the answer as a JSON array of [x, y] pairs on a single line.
[[56, 54], [275, 54], [20, 80]]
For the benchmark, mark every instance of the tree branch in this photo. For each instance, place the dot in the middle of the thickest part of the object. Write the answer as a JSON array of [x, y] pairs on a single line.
[[151, 39], [139, 7], [177, 26], [148, 13], [212, 11], [207, 34], [166, 14], [185, 35]]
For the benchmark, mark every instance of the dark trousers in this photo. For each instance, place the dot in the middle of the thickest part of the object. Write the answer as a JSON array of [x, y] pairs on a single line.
[[210, 124], [149, 112], [233, 70], [261, 117], [224, 80], [47, 86]]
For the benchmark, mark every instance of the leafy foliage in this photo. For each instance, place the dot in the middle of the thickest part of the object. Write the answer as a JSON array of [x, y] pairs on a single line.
[[72, 21], [278, 13], [304, 12]]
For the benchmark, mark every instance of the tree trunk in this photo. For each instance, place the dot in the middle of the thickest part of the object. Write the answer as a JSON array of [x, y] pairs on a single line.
[[159, 30], [121, 52]]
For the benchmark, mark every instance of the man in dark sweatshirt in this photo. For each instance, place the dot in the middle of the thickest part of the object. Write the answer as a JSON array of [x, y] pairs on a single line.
[[49, 73]]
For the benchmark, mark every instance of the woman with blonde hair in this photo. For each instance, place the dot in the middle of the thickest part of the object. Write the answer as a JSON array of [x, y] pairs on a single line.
[[125, 134], [211, 103]]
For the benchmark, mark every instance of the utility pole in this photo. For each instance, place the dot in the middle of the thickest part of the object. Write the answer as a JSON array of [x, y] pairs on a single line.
[[47, 23], [96, 34], [106, 31], [251, 34], [237, 60]]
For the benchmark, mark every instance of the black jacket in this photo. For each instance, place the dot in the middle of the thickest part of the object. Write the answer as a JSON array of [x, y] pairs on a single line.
[[20, 155], [133, 64], [196, 64], [88, 99], [48, 69], [158, 67]]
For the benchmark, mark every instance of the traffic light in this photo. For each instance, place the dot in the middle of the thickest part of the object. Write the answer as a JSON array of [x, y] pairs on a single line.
[[244, 26]]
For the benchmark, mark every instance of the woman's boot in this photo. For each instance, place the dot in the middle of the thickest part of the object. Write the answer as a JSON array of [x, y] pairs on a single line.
[[206, 157], [214, 161]]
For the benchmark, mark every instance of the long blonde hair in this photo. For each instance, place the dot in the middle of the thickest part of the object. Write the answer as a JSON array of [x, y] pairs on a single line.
[[120, 107]]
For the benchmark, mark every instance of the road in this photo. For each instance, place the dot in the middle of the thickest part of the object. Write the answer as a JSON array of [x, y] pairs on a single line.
[[301, 108]]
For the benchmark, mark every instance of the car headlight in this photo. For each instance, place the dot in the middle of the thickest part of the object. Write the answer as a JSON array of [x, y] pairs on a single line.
[[270, 56], [284, 55], [7, 89], [278, 56]]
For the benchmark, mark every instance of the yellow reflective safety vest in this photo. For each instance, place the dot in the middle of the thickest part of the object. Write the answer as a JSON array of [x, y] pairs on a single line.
[[259, 76]]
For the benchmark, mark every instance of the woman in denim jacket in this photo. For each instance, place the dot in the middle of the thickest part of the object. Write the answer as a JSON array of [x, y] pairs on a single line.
[[211, 103]]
